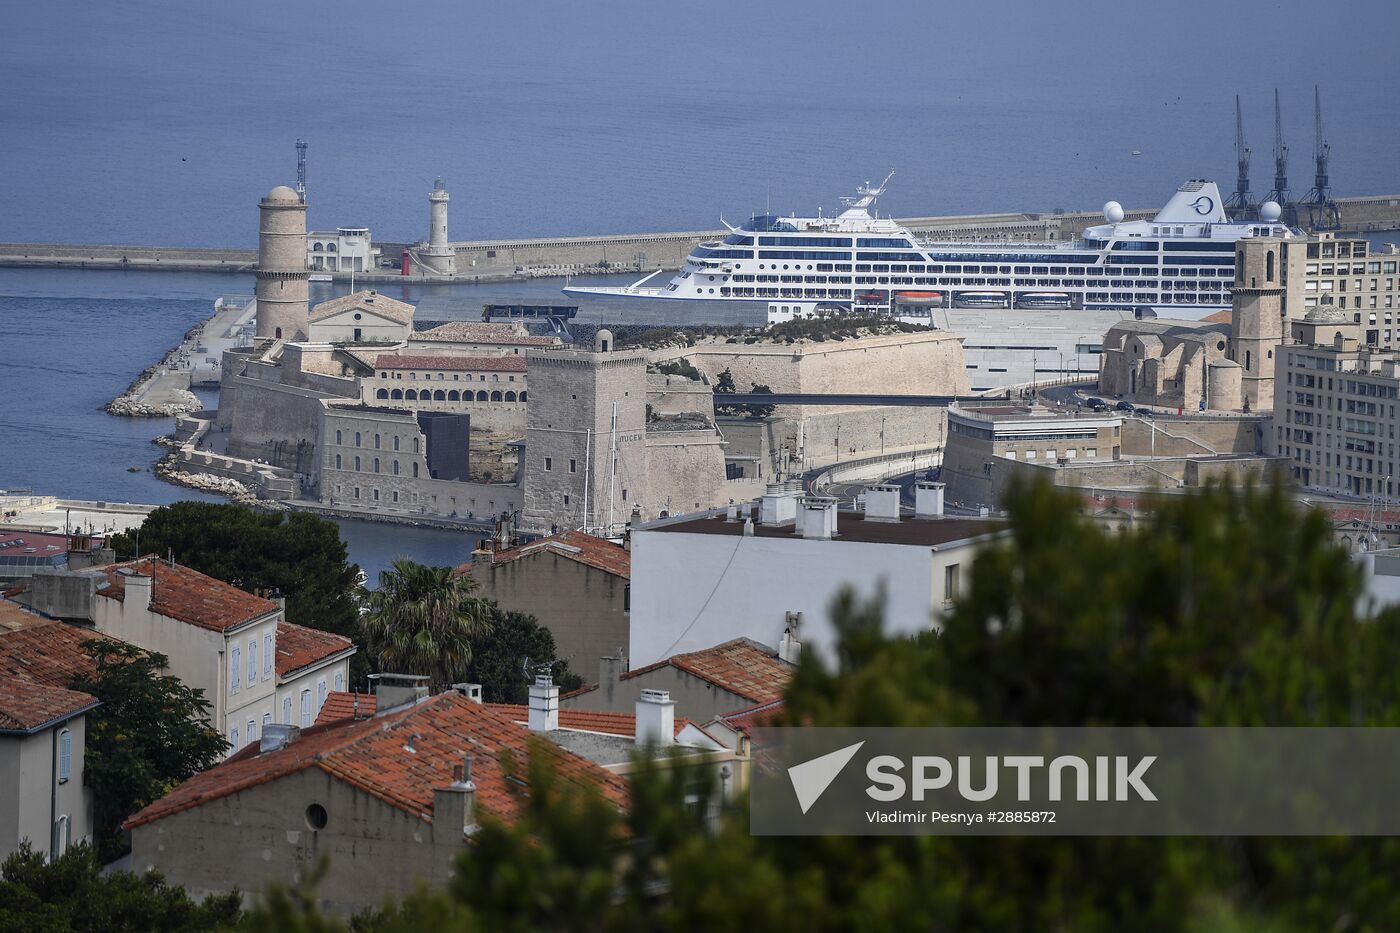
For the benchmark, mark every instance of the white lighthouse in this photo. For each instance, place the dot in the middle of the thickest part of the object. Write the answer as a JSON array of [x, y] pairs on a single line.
[[438, 258]]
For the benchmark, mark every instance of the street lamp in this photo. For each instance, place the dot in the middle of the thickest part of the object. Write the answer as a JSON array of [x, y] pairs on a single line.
[[882, 435]]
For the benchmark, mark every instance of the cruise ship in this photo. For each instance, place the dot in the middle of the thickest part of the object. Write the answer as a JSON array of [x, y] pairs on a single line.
[[1179, 263]]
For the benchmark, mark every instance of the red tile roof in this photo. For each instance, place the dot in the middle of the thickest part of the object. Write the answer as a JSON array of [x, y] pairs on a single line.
[[373, 756], [743, 667], [188, 595], [513, 363], [584, 720], [762, 714], [599, 553], [342, 705], [27, 707], [299, 647], [48, 652]]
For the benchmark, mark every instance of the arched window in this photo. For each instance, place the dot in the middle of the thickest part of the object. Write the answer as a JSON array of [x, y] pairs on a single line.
[[1269, 266], [415, 471], [396, 442], [439, 396], [357, 438], [415, 448], [330, 247], [382, 393], [522, 396], [316, 247], [411, 395], [376, 442], [376, 464], [510, 396], [496, 396], [397, 393], [338, 439], [337, 461], [278, 334], [357, 463], [396, 468], [481, 396], [454, 396]]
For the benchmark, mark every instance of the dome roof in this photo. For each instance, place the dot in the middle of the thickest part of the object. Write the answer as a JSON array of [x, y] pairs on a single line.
[[1326, 315], [282, 193]]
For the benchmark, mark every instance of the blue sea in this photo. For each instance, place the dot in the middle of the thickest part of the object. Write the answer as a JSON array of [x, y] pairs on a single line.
[[154, 122], [163, 122]]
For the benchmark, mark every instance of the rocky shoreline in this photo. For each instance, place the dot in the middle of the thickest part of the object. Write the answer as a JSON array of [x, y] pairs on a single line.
[[183, 400], [166, 469]]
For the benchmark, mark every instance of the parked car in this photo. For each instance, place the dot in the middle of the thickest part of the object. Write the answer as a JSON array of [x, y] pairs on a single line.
[[1143, 411], [1124, 405], [1095, 404]]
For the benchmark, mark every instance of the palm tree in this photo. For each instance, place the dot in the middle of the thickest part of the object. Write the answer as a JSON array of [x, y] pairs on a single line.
[[421, 621]]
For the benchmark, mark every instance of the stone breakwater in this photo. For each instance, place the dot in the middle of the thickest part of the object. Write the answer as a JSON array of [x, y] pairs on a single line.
[[162, 390], [235, 491]]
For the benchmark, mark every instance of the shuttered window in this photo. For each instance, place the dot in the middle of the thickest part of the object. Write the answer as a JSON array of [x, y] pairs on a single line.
[[268, 654], [235, 666], [65, 755]]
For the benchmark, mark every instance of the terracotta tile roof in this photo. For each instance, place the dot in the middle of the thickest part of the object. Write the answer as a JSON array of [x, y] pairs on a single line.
[[584, 720], [27, 707], [595, 552], [14, 616], [482, 332], [741, 666], [501, 364], [188, 595], [1220, 317], [366, 300], [299, 647], [762, 714], [372, 755], [49, 652], [341, 704]]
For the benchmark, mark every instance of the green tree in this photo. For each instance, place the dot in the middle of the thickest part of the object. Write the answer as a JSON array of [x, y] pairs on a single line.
[[150, 733], [300, 555], [757, 410], [421, 620], [72, 894], [501, 648]]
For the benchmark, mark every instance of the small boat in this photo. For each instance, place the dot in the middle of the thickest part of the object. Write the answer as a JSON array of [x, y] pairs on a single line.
[[135, 469], [319, 277], [1137, 152]]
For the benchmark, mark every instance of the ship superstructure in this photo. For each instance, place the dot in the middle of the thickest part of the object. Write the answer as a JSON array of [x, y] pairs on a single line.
[[1178, 264]]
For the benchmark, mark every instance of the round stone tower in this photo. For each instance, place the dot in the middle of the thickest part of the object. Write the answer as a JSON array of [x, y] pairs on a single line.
[[282, 277], [439, 258], [1257, 318]]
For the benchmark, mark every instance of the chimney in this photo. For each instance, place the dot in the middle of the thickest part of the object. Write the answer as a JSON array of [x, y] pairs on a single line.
[[394, 690], [610, 669], [470, 691], [778, 506], [882, 503], [790, 648], [818, 517], [656, 718], [928, 499], [544, 704], [139, 588], [454, 806], [276, 735]]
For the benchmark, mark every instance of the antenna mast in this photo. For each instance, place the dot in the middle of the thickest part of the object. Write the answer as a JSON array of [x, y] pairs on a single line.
[[301, 170], [1241, 203], [1323, 212]]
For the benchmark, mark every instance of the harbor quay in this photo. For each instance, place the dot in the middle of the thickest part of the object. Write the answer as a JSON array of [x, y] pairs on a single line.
[[505, 260]]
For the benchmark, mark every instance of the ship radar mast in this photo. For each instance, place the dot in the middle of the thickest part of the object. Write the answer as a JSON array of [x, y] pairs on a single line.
[[867, 195]]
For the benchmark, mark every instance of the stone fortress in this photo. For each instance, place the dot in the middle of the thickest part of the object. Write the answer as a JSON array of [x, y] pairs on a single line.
[[349, 408]]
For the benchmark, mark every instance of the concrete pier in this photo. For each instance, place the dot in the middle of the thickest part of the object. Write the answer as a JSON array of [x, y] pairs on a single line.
[[500, 260]]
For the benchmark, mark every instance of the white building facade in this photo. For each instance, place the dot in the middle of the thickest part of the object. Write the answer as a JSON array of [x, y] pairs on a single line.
[[345, 249], [701, 580]]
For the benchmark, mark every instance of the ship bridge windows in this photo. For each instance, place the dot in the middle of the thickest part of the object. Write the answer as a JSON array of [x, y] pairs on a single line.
[[807, 242], [1141, 246], [707, 252], [737, 239], [883, 243], [1199, 248], [799, 254]]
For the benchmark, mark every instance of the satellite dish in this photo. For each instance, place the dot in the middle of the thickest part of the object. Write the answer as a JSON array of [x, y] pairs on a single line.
[[1270, 212], [1113, 212]]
